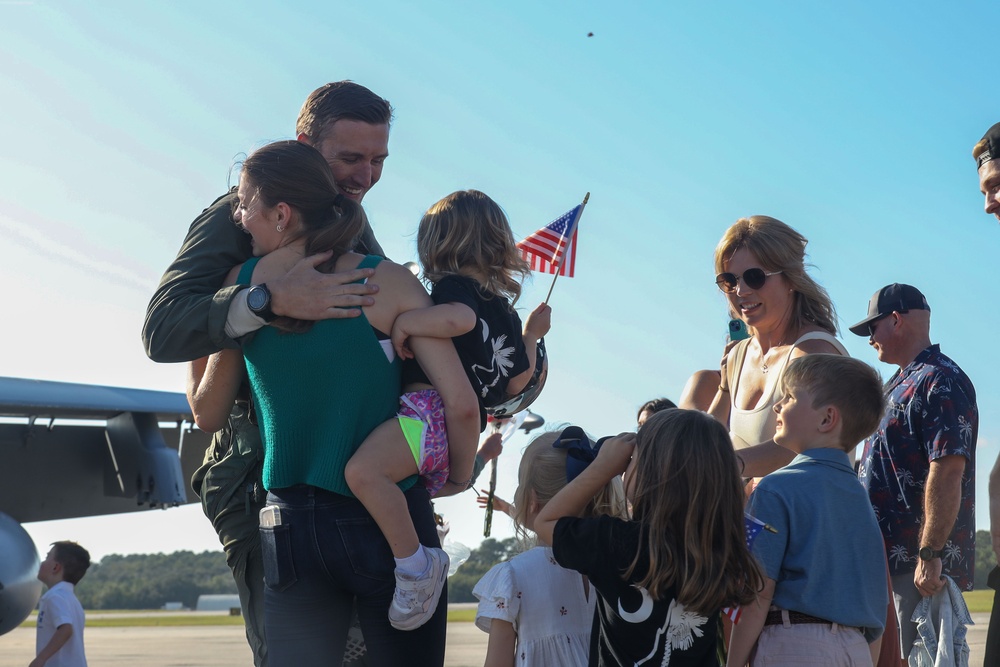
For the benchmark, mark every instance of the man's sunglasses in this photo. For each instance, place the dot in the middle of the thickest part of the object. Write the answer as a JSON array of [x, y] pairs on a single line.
[[874, 323], [752, 278]]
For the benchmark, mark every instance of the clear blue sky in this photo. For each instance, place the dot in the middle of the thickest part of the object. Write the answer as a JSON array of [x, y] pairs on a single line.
[[853, 123]]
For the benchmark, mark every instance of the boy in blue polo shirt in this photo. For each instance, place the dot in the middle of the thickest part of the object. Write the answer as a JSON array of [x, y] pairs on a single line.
[[825, 592]]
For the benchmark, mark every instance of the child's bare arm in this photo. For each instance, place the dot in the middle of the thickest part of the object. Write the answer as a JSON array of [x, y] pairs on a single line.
[[445, 320], [746, 632], [611, 461], [536, 326], [59, 639], [439, 361], [503, 643], [499, 504]]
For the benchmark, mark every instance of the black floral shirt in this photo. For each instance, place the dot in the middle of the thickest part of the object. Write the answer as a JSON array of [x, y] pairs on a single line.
[[493, 351]]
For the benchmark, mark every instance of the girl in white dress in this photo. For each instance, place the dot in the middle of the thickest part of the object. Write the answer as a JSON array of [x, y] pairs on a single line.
[[536, 612]]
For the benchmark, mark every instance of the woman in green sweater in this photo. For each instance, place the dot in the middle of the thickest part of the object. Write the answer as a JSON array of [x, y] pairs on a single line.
[[319, 388]]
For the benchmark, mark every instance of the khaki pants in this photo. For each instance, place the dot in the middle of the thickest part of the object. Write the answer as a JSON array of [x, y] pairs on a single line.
[[827, 644]]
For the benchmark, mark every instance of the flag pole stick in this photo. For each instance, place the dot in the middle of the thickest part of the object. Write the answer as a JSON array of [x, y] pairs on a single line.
[[562, 259], [488, 519]]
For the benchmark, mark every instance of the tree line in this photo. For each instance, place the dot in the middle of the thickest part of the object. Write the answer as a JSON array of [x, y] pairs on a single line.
[[148, 581]]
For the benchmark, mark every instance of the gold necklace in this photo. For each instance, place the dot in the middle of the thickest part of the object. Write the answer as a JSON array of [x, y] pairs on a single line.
[[763, 360]]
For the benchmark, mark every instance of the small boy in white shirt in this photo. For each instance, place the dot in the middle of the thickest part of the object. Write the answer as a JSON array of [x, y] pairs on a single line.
[[59, 635]]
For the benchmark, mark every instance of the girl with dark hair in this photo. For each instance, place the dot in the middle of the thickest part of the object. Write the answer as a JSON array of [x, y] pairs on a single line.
[[663, 576]]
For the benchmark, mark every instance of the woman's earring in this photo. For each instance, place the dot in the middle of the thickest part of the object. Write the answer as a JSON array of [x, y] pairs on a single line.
[[280, 229]]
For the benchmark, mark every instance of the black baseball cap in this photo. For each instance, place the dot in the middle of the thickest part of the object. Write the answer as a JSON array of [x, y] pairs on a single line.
[[896, 297], [992, 152]]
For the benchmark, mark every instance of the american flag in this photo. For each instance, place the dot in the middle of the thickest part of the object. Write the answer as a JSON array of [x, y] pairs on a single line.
[[544, 248], [753, 527]]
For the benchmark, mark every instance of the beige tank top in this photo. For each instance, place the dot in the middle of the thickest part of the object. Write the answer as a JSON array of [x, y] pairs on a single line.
[[757, 425]]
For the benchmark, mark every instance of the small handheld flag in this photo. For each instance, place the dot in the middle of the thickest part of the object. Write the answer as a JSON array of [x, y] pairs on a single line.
[[552, 249], [753, 527], [547, 249]]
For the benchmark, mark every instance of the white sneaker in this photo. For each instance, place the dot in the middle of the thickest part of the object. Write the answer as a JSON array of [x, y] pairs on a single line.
[[416, 598]]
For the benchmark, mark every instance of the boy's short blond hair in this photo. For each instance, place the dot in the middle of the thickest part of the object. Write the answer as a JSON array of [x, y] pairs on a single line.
[[850, 385]]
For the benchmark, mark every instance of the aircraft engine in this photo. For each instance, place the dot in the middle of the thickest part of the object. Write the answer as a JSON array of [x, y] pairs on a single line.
[[19, 587]]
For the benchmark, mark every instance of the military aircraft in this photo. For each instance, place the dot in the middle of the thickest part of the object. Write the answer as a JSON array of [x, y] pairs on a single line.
[[74, 450]]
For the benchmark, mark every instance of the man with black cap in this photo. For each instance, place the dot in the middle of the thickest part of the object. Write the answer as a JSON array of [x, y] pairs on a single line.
[[919, 465], [986, 153]]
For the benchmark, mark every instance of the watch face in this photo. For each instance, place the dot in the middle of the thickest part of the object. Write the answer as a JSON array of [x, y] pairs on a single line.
[[257, 298]]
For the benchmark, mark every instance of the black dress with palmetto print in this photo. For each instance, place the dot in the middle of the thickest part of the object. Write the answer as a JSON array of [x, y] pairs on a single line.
[[493, 351]]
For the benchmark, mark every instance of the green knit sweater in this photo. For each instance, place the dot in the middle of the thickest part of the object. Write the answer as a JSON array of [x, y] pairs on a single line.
[[318, 394]]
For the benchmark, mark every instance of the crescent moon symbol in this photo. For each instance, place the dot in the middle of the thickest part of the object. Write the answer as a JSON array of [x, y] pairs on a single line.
[[644, 611]]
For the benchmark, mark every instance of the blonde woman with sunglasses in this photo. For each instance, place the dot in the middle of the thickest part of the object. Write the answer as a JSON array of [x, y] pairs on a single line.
[[760, 263]]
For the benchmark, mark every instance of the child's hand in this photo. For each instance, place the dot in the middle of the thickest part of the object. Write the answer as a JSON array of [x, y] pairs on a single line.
[[491, 448], [499, 504], [616, 453], [399, 337], [538, 322]]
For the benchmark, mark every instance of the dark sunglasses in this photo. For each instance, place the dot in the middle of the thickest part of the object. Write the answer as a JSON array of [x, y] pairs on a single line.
[[874, 323], [752, 278]]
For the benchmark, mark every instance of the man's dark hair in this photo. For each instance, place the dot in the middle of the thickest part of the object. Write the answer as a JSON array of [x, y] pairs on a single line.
[[74, 560], [340, 100]]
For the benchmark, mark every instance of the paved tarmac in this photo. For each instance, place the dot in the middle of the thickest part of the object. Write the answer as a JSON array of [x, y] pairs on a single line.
[[225, 646], [197, 646]]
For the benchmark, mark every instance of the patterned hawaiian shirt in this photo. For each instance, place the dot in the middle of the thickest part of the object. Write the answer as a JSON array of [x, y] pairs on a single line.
[[931, 412]]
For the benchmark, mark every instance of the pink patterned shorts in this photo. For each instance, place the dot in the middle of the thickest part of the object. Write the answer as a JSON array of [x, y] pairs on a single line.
[[421, 418]]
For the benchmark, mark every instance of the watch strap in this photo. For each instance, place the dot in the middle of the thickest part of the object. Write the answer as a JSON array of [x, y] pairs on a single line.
[[929, 553], [263, 311]]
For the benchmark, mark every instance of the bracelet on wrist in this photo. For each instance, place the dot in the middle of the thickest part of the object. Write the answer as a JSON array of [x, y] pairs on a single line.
[[466, 484]]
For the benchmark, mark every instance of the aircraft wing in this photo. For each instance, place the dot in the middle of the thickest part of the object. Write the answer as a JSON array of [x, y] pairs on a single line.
[[41, 398], [71, 450]]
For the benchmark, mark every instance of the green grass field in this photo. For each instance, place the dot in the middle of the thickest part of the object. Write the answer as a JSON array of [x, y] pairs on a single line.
[[978, 601]]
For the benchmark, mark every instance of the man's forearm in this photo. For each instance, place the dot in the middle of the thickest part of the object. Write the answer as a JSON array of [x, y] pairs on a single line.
[[942, 499], [186, 317]]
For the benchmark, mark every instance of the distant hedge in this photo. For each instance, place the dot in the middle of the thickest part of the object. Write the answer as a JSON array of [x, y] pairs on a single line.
[[148, 581]]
